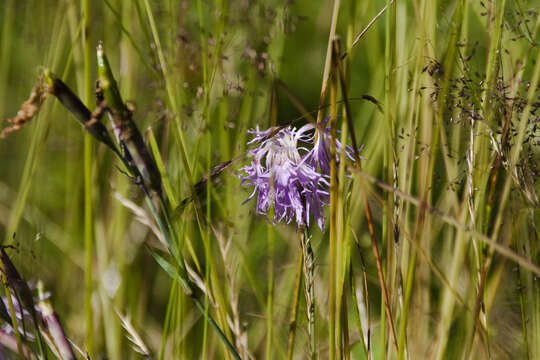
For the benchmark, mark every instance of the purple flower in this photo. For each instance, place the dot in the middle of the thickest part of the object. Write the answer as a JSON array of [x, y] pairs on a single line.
[[285, 179], [288, 176]]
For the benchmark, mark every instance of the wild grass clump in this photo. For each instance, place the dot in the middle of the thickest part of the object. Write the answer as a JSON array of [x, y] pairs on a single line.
[[137, 217]]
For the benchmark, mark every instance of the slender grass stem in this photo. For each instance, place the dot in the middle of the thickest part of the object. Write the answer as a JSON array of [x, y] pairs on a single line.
[[270, 296], [167, 321], [179, 133], [216, 327], [294, 309], [328, 59], [334, 331], [364, 340], [88, 185], [6, 40], [522, 308], [405, 309]]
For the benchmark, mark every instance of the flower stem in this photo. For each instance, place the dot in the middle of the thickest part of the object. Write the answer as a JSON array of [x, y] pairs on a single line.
[[296, 297], [309, 266], [270, 299]]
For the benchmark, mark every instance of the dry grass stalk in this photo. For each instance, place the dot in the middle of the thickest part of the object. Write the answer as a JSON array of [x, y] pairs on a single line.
[[133, 336], [142, 216], [235, 325]]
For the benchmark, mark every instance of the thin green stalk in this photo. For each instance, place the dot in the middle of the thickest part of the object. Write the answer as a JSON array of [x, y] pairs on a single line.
[[216, 327], [333, 236], [154, 148], [356, 310], [270, 296], [405, 309], [345, 343], [390, 219], [390, 107], [167, 321], [535, 290], [522, 308], [88, 183], [178, 132], [328, 59], [294, 309], [121, 19], [271, 245], [428, 134], [342, 218], [88, 241], [5, 44], [388, 151], [407, 183], [206, 113], [206, 299]]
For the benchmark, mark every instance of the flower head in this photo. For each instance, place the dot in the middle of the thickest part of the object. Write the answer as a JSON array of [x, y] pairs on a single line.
[[283, 178], [289, 177]]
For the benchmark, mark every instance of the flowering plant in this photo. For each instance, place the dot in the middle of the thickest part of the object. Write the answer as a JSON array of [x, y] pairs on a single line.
[[290, 177]]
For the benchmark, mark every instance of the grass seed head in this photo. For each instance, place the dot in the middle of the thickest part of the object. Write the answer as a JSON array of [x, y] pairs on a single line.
[[28, 109]]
